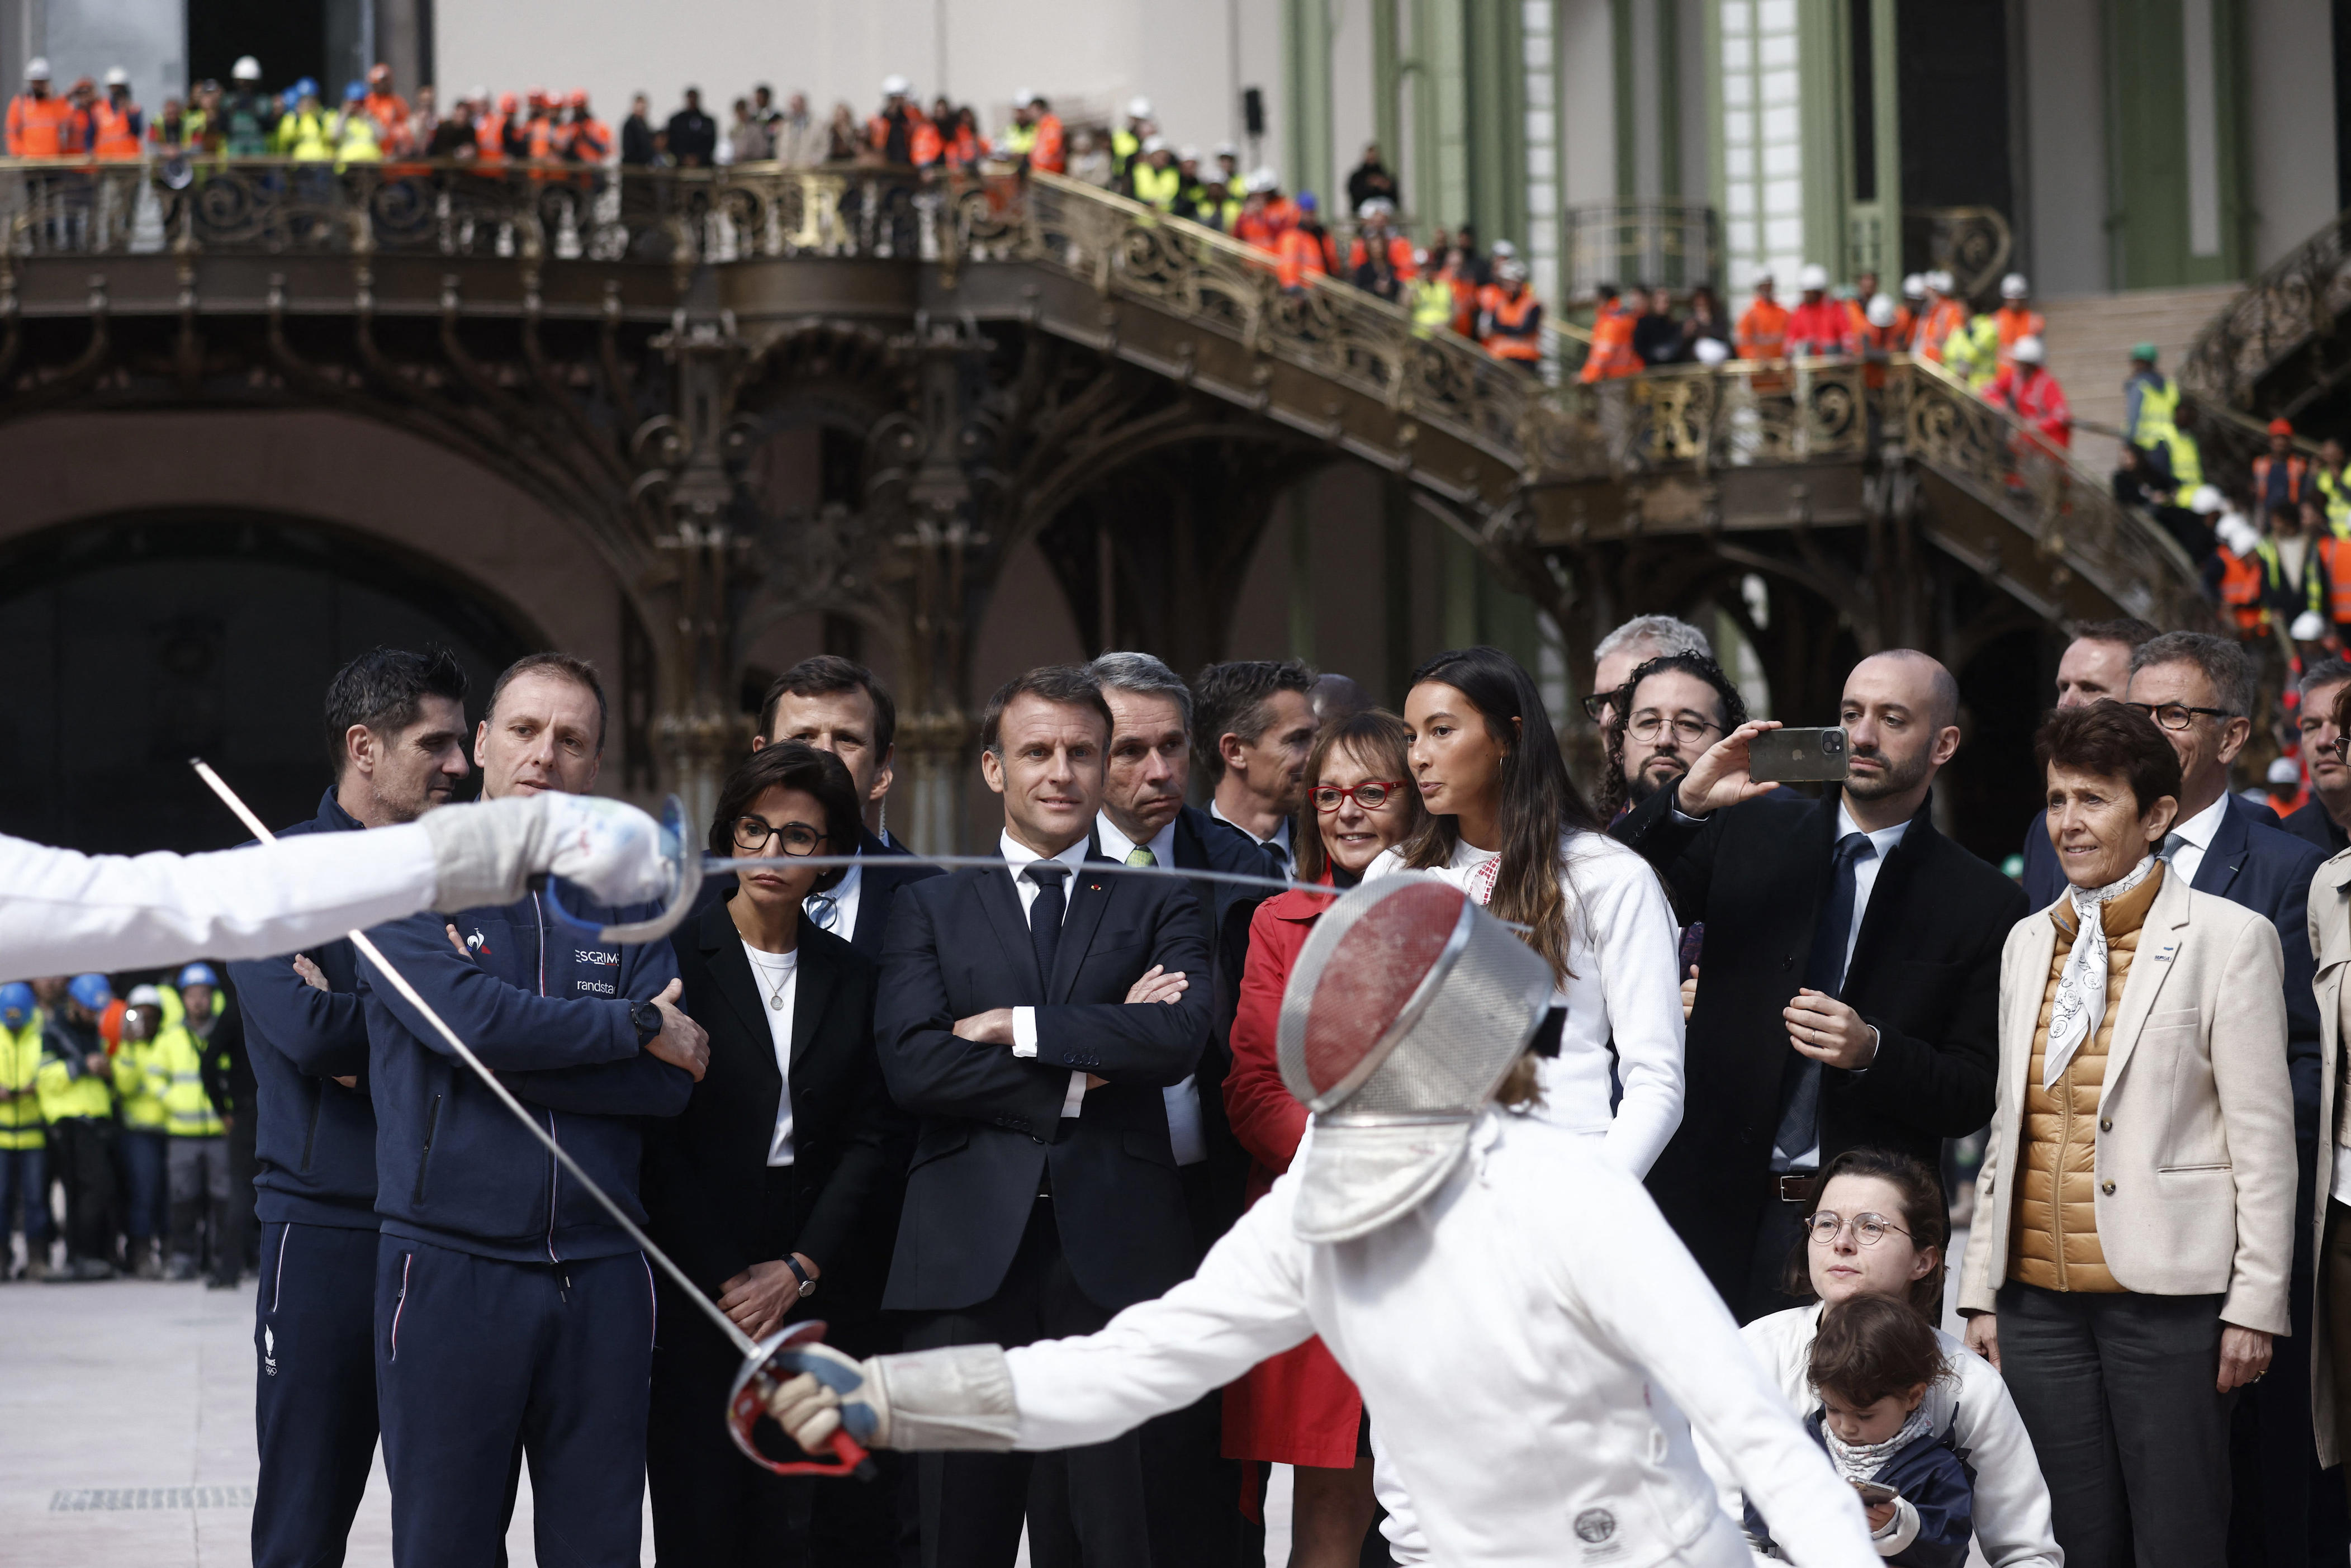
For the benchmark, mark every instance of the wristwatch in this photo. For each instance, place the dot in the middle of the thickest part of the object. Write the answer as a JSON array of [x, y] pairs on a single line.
[[648, 1020], [808, 1286]]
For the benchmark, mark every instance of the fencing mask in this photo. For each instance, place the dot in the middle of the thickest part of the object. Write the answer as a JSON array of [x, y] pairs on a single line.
[[1404, 1010]]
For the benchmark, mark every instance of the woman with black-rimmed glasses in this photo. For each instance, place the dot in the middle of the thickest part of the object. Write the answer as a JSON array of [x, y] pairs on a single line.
[[777, 1188]]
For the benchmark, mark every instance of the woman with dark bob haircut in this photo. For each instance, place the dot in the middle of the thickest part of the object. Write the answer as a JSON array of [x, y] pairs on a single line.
[[2134, 1229], [777, 1188]]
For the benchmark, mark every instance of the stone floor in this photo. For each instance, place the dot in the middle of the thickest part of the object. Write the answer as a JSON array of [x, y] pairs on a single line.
[[126, 1434]]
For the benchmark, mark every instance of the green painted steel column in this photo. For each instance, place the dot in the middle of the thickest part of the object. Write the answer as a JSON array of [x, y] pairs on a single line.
[[2175, 142], [1824, 64], [1496, 84], [1387, 86], [1441, 108], [1306, 117]]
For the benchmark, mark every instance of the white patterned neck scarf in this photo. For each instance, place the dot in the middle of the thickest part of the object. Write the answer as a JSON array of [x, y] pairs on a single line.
[[1862, 1461], [2081, 1003]]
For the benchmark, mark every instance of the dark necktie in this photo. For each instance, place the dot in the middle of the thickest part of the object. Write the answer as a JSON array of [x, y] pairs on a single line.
[[1278, 855], [1799, 1105], [1045, 913]]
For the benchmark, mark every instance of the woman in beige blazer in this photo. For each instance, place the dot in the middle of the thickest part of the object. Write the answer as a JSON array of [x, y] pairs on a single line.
[[2135, 1216]]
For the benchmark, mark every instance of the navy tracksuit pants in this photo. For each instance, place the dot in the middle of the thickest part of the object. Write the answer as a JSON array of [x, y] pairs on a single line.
[[314, 1390], [473, 1355]]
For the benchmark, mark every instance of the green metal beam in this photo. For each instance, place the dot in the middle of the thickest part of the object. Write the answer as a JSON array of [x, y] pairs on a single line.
[[1824, 65], [1306, 141]]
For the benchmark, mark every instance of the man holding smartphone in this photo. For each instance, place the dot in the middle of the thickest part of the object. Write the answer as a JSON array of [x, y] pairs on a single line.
[[1849, 993]]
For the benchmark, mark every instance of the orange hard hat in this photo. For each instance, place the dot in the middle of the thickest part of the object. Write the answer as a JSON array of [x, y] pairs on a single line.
[[379, 72], [577, 98], [507, 103], [2281, 427]]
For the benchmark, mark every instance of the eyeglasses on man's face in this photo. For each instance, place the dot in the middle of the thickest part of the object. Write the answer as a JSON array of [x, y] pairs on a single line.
[[752, 833], [2179, 716], [1868, 1230], [1598, 703], [1649, 723], [1370, 795]]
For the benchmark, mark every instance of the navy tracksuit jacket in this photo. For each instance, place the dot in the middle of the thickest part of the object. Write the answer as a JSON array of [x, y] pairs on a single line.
[[508, 1307], [314, 1355]]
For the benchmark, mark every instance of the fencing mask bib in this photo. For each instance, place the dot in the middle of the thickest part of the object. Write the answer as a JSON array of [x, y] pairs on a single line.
[[1407, 1008]]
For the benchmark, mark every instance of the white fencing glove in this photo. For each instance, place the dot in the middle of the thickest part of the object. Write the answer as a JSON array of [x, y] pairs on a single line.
[[957, 1398], [486, 854]]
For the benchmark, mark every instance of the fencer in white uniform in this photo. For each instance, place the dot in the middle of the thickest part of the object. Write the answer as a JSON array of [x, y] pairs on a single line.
[[61, 911], [1532, 1341]]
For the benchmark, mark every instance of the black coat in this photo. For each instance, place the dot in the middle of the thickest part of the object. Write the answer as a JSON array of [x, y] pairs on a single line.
[[705, 1169], [991, 1123], [1204, 844], [1924, 972], [888, 867]]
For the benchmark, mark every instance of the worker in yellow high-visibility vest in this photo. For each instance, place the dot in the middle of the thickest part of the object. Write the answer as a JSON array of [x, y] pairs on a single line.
[[24, 1131], [76, 1084], [186, 1053]]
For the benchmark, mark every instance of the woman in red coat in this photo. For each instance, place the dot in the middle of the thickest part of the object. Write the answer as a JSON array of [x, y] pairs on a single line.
[[1298, 1408]]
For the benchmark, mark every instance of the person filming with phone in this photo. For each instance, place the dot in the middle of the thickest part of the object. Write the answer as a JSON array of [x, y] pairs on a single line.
[[1852, 962]]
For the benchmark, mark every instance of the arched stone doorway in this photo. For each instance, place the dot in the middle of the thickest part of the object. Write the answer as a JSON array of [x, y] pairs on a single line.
[[133, 642]]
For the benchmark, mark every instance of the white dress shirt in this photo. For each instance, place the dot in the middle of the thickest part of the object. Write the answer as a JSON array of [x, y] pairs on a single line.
[[837, 911], [1183, 1132], [1280, 836], [778, 977], [2195, 836], [1018, 857]]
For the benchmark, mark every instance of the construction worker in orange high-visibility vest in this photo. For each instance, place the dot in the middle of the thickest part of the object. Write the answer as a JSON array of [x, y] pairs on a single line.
[[1762, 332], [1510, 325], [1304, 248], [1611, 355], [2016, 318]]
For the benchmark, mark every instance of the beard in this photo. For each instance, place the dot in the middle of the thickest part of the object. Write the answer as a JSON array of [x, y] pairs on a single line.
[[1652, 773], [1898, 776]]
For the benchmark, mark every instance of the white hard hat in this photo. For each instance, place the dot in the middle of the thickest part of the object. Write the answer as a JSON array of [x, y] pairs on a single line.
[[1914, 287], [2308, 627], [2013, 287], [895, 87], [246, 68], [1138, 109], [1376, 207], [1711, 351], [2207, 501], [1510, 271], [144, 997], [1813, 276], [1226, 150], [117, 76], [2028, 351], [1940, 281], [1419, 258], [2239, 535], [1154, 144], [37, 69], [1187, 155], [479, 94], [1882, 310], [2285, 769], [1763, 275], [1022, 98], [1263, 178], [1503, 249]]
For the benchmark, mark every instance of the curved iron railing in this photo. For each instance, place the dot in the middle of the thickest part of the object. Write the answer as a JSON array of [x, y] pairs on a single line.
[[2299, 297], [1743, 414]]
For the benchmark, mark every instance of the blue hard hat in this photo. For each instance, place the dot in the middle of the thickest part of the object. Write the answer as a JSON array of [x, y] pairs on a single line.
[[354, 91], [308, 86], [91, 991], [1306, 201], [198, 974], [17, 1004], [289, 98]]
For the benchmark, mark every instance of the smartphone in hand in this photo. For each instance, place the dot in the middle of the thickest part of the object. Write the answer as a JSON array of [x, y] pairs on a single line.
[[1787, 755]]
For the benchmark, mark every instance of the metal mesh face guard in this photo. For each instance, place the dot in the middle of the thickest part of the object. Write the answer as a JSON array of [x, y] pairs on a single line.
[[1404, 1010]]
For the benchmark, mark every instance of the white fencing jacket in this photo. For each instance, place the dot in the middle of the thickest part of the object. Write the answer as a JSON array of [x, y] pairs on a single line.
[[1527, 1341], [63, 912], [2012, 1513]]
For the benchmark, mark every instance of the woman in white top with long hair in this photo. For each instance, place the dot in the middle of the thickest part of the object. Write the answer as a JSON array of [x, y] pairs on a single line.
[[1509, 827]]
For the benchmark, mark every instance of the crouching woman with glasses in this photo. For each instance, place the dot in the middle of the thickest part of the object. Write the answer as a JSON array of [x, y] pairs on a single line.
[[2128, 1262], [777, 1188], [1878, 1227]]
